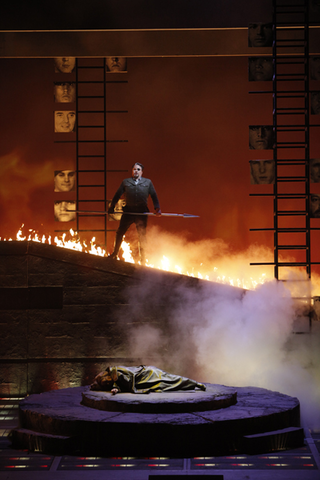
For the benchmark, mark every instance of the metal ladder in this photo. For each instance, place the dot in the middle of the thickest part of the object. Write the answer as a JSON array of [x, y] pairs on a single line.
[[291, 127], [92, 166], [291, 149], [291, 131]]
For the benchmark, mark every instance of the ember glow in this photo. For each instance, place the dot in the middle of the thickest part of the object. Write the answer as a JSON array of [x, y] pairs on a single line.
[[72, 241]]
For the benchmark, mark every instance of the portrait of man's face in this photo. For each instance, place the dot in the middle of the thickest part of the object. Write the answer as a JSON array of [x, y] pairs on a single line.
[[314, 206], [61, 213], [118, 209], [262, 172], [116, 64], [260, 137], [64, 180], [315, 103], [260, 35], [315, 68], [64, 64], [315, 170], [64, 92], [260, 69], [64, 121]]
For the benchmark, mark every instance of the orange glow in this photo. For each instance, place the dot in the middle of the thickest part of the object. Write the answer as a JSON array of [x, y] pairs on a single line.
[[72, 241]]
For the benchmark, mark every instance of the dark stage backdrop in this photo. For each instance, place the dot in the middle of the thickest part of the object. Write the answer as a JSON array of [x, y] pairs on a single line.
[[188, 121]]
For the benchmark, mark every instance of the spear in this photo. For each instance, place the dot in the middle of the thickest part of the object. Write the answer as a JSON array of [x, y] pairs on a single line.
[[183, 215]]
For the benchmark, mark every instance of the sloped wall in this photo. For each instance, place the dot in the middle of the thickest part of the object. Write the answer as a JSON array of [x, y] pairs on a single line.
[[65, 315]]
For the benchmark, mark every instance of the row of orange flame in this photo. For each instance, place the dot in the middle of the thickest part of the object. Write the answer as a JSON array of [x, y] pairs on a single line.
[[72, 241]]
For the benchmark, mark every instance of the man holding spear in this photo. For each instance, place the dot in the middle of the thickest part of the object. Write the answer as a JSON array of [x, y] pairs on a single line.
[[136, 190]]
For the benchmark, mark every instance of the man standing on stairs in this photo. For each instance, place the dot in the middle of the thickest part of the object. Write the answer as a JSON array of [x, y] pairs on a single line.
[[136, 190]]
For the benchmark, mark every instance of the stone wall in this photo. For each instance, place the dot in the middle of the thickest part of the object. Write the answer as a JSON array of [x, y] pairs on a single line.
[[65, 315]]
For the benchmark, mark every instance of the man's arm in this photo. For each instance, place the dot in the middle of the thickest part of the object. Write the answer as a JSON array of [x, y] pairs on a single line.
[[154, 196]]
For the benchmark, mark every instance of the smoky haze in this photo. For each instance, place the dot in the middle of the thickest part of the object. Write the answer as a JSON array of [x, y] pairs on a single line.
[[225, 335]]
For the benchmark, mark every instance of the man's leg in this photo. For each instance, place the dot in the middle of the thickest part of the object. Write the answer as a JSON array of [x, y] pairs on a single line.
[[141, 224], [125, 223]]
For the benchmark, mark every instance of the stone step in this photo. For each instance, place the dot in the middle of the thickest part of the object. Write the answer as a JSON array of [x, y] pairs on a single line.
[[187, 434], [42, 442], [284, 439]]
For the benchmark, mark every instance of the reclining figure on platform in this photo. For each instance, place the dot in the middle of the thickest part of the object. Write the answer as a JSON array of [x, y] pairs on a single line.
[[142, 379]]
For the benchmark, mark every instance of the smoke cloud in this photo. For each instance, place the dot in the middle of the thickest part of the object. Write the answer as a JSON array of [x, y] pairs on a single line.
[[220, 334]]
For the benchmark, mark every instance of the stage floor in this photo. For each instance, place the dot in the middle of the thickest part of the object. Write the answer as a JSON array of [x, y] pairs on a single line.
[[298, 464]]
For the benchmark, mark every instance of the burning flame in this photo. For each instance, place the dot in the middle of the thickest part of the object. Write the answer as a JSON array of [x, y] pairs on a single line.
[[72, 244], [75, 243]]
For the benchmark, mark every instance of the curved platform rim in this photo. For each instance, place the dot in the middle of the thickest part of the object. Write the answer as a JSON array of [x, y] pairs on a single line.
[[213, 398], [262, 414]]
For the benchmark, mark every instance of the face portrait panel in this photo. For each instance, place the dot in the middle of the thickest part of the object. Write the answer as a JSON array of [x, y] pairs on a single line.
[[64, 64], [260, 69], [315, 103], [315, 170], [64, 92], [314, 206], [64, 180], [116, 64], [61, 213], [118, 209], [261, 172], [64, 121], [260, 35], [260, 137], [315, 68]]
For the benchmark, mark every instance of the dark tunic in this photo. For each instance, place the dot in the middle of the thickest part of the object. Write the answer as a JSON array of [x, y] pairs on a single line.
[[144, 379], [136, 195]]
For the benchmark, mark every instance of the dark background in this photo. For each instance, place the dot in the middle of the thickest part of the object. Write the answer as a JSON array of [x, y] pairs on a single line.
[[127, 14]]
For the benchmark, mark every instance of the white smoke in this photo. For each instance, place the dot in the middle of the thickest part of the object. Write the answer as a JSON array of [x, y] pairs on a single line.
[[224, 335]]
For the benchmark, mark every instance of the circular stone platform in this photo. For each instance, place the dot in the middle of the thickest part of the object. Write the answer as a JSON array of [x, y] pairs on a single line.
[[214, 398], [56, 421]]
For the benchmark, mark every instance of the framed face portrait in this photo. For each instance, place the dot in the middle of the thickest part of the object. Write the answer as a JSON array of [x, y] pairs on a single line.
[[260, 69], [262, 172], [315, 68], [64, 180], [64, 64], [116, 65], [118, 209], [261, 137], [314, 206], [64, 211], [64, 92], [315, 170], [315, 103], [260, 35], [64, 121]]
